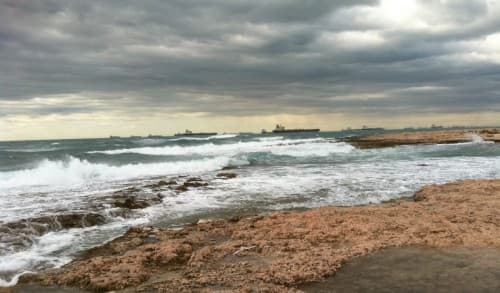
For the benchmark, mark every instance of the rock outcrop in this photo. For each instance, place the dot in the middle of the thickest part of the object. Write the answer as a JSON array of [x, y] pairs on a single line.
[[423, 137], [279, 251]]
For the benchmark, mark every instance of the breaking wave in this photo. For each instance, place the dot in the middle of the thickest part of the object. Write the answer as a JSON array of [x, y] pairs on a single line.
[[278, 146], [77, 171], [219, 136]]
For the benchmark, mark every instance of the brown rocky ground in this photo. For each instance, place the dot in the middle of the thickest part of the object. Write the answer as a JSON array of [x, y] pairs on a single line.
[[424, 137], [280, 251]]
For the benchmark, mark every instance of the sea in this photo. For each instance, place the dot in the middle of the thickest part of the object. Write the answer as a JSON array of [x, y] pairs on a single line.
[[61, 197]]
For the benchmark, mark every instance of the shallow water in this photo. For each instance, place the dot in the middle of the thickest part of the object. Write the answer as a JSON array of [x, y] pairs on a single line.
[[40, 180]]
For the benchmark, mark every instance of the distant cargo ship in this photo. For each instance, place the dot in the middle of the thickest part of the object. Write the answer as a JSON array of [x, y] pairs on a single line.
[[281, 129], [190, 133]]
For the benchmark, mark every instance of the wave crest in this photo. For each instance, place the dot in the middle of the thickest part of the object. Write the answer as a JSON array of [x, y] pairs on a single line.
[[275, 145], [73, 171]]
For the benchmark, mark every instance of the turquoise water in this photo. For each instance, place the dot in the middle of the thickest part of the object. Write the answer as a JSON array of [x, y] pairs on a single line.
[[61, 177]]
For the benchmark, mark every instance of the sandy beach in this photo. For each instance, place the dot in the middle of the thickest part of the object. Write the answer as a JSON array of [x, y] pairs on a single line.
[[282, 251]]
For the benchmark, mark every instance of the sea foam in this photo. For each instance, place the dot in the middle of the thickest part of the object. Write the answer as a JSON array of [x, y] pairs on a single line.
[[77, 171], [291, 147]]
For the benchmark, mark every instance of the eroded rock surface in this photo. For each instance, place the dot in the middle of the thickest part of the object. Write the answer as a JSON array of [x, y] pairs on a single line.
[[138, 200], [280, 251], [45, 224], [424, 137]]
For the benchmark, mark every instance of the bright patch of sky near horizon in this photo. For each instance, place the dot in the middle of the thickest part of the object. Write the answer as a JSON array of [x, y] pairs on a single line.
[[72, 70]]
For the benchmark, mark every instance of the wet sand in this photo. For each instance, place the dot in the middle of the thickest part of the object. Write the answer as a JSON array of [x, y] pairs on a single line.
[[424, 137], [283, 250]]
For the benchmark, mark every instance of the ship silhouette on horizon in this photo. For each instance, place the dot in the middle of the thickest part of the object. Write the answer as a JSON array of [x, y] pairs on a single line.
[[280, 128]]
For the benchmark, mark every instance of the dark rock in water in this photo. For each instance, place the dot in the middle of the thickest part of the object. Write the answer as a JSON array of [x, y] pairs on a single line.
[[80, 220], [171, 182], [181, 188], [161, 183], [131, 189], [131, 203], [229, 168], [191, 182], [138, 201], [134, 198], [122, 213], [20, 232], [195, 184], [59, 222], [227, 175]]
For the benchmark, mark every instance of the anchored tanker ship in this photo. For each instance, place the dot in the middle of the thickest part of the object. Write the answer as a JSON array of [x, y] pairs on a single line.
[[281, 129], [190, 133]]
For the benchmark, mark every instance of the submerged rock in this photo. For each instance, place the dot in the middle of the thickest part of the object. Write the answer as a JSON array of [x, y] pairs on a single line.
[[161, 184], [229, 168], [59, 222], [195, 184], [191, 182], [138, 201], [227, 175], [21, 233], [181, 188]]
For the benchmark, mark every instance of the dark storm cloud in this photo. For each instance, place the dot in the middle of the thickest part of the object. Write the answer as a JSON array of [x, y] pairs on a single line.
[[248, 57]]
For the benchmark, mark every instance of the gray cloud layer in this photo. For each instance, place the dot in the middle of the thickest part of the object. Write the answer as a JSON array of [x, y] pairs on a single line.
[[250, 57]]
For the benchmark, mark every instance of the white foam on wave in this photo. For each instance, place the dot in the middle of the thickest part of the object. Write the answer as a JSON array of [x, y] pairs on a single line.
[[12, 281], [76, 171], [55, 249], [320, 149], [271, 138], [218, 136], [41, 252], [223, 136], [343, 184], [35, 150], [291, 147], [478, 139], [150, 141]]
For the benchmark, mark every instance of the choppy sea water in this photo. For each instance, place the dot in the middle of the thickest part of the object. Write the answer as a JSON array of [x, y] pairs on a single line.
[[58, 198]]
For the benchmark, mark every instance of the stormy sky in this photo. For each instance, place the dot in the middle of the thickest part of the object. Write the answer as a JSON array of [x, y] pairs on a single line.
[[94, 68]]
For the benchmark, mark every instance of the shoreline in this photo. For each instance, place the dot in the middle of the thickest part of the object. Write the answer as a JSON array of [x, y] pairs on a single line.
[[283, 250], [424, 137]]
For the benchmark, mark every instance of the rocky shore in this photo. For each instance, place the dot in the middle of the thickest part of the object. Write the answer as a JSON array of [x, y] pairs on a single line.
[[280, 251], [424, 137]]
